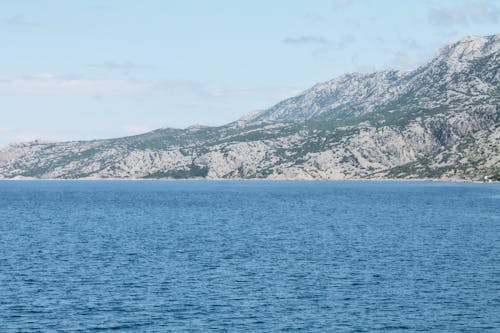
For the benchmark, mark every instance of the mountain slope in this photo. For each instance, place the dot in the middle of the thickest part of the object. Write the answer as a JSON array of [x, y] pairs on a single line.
[[465, 72], [439, 121]]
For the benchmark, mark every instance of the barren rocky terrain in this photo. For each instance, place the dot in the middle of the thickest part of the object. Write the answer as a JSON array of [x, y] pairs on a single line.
[[439, 121]]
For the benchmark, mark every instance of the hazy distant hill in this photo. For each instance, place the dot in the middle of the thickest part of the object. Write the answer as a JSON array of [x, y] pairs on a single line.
[[441, 120]]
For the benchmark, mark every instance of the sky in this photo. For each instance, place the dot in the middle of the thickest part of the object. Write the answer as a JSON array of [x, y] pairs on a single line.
[[78, 70]]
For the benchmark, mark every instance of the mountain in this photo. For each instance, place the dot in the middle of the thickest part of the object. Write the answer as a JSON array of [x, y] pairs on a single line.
[[439, 121], [465, 72]]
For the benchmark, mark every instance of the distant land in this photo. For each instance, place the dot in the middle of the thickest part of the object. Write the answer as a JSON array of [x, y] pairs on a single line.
[[439, 121]]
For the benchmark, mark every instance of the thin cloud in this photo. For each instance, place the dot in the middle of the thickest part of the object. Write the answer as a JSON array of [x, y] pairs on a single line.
[[484, 11], [99, 7], [76, 84], [4, 130], [321, 44], [11, 135], [401, 60], [339, 44], [313, 18], [305, 40], [136, 129], [56, 84], [343, 3], [125, 66], [182, 88], [470, 12], [18, 21]]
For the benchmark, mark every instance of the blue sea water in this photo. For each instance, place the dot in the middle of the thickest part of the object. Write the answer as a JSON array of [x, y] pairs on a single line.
[[256, 256]]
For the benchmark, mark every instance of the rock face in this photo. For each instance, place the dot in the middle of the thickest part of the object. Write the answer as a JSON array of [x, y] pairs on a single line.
[[440, 121]]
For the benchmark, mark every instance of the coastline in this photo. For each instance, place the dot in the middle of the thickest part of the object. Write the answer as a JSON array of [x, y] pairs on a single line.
[[434, 180]]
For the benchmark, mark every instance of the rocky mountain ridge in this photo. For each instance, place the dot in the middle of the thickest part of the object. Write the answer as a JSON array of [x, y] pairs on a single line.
[[440, 121], [467, 68]]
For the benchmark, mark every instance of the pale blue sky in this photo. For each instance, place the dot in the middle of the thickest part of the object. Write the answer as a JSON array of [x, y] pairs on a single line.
[[99, 69]]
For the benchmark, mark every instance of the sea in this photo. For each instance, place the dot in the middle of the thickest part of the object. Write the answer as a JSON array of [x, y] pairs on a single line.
[[249, 256]]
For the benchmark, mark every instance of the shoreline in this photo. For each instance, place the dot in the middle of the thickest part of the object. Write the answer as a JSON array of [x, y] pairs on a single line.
[[450, 181]]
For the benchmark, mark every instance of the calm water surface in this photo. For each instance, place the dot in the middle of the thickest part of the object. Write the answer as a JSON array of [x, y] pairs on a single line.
[[193, 256]]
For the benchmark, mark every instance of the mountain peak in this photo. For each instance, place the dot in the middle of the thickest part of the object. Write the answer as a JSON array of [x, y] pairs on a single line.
[[355, 94], [469, 48]]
